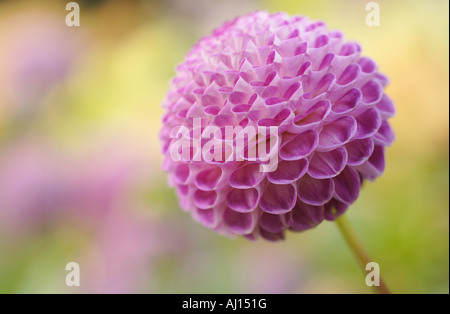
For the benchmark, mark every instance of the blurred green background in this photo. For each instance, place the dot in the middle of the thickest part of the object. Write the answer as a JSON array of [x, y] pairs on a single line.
[[80, 177]]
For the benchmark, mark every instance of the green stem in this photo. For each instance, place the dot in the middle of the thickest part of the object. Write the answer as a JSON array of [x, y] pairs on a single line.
[[358, 249]]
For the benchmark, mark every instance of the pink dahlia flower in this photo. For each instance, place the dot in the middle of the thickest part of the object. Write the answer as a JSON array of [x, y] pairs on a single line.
[[325, 100]]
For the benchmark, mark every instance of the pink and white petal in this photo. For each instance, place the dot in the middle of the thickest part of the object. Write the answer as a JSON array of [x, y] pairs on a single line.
[[300, 146], [325, 165], [337, 133]]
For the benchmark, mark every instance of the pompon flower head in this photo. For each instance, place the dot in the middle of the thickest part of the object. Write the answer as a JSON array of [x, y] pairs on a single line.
[[326, 101]]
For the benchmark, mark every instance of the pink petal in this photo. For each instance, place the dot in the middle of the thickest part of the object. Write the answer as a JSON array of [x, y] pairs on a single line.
[[347, 102], [246, 177], [272, 223], [315, 191], [368, 123], [205, 199], [305, 216], [385, 135], [374, 166], [288, 171], [333, 209], [270, 236], [208, 179], [300, 146], [278, 199], [346, 185], [239, 223], [386, 107], [181, 173], [359, 151], [325, 165], [337, 133], [243, 200]]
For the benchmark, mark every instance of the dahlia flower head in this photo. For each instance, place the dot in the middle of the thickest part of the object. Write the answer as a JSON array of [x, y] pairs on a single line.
[[326, 100]]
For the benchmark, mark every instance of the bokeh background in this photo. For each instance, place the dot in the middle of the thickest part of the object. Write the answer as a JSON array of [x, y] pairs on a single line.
[[80, 161]]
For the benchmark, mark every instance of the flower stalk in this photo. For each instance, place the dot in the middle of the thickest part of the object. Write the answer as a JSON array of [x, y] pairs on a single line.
[[358, 250]]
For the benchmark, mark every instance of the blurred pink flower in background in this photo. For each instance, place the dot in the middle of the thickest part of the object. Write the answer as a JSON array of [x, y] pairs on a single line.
[[41, 187], [31, 188], [37, 51], [39, 183], [124, 253], [121, 253], [102, 178]]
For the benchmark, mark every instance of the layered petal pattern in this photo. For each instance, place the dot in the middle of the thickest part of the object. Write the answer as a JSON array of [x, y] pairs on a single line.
[[271, 70]]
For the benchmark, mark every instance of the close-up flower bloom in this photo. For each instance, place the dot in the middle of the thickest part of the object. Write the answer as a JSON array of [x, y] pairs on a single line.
[[326, 100]]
